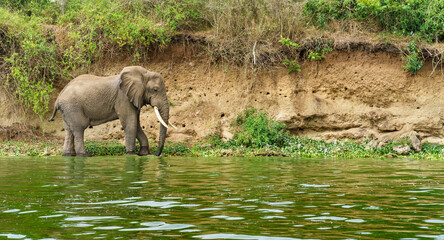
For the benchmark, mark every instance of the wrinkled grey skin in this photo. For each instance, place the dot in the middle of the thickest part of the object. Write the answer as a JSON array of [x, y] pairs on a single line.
[[90, 100]]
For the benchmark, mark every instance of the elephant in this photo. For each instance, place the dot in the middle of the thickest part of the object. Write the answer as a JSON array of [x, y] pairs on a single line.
[[90, 100]]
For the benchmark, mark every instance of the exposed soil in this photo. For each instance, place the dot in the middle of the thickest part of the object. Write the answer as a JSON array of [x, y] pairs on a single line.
[[355, 92]]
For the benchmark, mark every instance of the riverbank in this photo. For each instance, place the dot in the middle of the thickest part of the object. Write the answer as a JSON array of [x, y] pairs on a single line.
[[298, 147], [254, 133], [332, 72]]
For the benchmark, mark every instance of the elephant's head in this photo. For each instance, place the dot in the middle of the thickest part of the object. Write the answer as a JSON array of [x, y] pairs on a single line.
[[144, 87]]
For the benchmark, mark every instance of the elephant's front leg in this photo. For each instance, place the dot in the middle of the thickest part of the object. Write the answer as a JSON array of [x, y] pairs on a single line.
[[143, 140], [130, 127]]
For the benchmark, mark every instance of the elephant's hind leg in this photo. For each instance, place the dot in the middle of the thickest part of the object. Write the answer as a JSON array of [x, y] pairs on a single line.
[[143, 140], [80, 145], [68, 146], [78, 123]]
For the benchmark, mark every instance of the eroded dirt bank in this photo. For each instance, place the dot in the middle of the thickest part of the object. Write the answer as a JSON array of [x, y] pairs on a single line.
[[350, 94]]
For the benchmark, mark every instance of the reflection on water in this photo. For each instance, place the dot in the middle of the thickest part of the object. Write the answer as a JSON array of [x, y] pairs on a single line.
[[222, 198]]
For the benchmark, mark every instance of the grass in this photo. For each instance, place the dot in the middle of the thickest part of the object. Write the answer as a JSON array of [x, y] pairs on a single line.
[[256, 134], [300, 147]]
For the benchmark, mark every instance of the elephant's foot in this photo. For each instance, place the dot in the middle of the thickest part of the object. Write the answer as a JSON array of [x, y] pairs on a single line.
[[131, 153], [144, 151], [83, 155], [68, 154]]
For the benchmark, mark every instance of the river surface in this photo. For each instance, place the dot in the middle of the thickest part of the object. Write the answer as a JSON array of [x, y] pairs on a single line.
[[220, 198]]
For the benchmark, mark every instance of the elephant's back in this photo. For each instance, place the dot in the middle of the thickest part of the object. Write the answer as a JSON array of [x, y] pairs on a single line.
[[85, 86], [90, 80]]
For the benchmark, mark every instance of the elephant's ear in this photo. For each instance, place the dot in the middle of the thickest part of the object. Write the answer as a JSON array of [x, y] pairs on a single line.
[[132, 85]]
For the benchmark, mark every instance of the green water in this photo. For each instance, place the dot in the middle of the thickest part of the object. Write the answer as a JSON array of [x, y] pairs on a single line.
[[220, 198]]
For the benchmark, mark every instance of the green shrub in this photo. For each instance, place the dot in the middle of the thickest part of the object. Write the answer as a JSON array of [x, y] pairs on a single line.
[[94, 30], [293, 65], [320, 12], [422, 17], [40, 45], [433, 27], [106, 148], [257, 129], [181, 14], [413, 60], [30, 60], [319, 50]]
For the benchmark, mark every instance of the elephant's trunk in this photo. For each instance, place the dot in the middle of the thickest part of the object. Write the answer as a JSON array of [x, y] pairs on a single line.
[[164, 113]]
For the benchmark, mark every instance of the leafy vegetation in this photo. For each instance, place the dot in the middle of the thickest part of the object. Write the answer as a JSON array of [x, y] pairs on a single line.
[[413, 60], [256, 129], [407, 17], [43, 43], [29, 60], [319, 50], [292, 65]]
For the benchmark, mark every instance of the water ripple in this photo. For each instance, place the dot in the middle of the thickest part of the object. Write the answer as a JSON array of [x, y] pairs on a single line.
[[240, 236]]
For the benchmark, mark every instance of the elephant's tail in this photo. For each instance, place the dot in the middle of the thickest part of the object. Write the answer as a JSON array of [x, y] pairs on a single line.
[[53, 114]]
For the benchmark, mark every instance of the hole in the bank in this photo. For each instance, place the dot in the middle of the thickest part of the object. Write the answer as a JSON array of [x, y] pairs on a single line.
[[222, 115], [345, 89], [183, 125]]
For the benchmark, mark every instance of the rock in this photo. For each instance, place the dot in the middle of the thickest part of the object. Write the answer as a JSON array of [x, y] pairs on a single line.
[[416, 144], [381, 144], [372, 144], [402, 149], [270, 154], [414, 140], [433, 140], [226, 152], [226, 134]]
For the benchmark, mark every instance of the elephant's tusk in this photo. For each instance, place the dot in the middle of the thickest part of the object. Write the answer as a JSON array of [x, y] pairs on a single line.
[[156, 110], [172, 125]]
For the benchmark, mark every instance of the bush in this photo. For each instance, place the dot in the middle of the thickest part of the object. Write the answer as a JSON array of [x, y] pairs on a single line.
[[413, 60], [40, 45], [422, 17], [94, 30], [257, 129], [30, 60]]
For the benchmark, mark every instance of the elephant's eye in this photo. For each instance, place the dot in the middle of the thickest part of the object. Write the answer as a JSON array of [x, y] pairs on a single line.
[[155, 89]]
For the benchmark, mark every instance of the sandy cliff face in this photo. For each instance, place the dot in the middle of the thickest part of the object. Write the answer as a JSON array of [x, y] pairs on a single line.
[[349, 94]]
